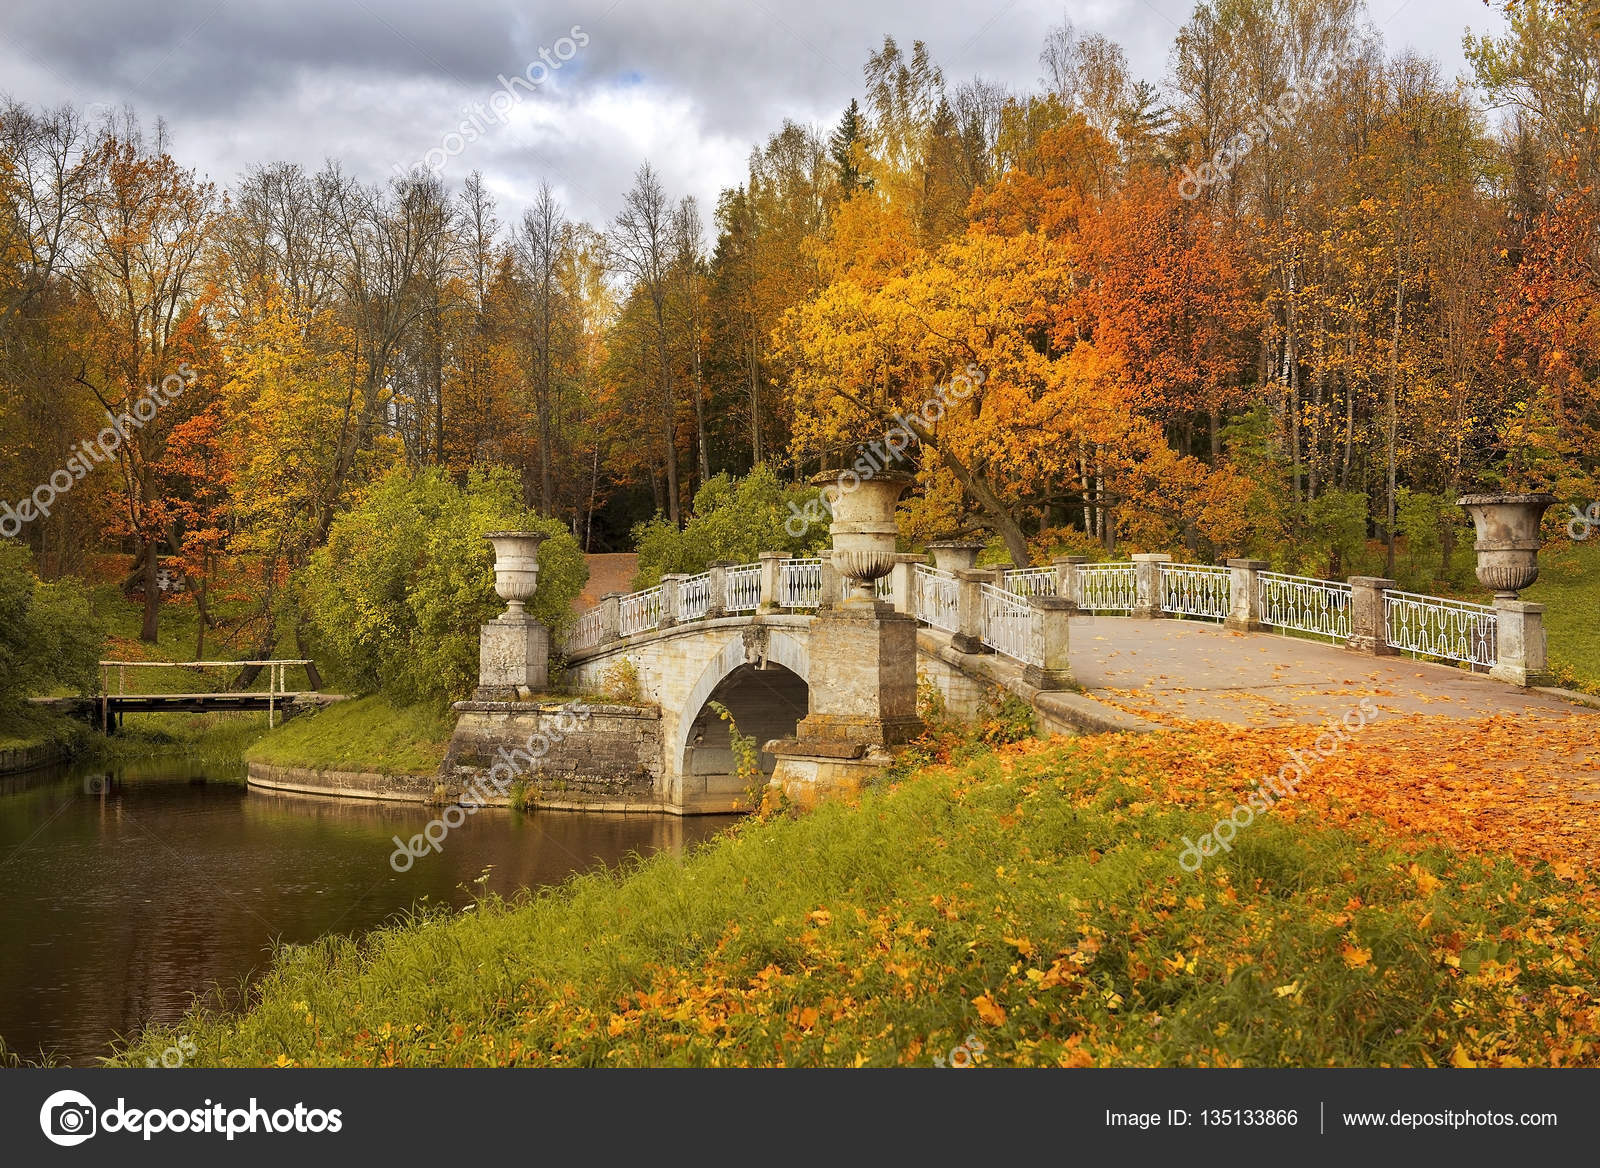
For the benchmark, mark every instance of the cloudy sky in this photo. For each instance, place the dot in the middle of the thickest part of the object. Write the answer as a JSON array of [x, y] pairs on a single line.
[[688, 84]]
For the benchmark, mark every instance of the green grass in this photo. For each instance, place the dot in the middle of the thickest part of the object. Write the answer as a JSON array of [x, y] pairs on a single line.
[[175, 641], [1031, 898], [221, 736], [1569, 588], [28, 727], [368, 734]]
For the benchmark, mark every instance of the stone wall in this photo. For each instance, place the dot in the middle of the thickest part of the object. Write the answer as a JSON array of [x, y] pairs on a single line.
[[679, 670], [567, 755], [347, 784], [27, 758]]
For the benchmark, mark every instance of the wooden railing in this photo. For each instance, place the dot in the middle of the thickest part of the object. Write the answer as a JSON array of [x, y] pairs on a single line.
[[276, 667]]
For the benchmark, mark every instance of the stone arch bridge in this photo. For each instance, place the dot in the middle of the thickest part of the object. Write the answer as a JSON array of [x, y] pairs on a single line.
[[1074, 640]]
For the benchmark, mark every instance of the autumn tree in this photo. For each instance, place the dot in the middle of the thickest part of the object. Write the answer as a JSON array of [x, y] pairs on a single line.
[[144, 224]]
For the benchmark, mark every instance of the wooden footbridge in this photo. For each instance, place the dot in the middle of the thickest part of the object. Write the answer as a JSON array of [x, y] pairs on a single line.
[[106, 708]]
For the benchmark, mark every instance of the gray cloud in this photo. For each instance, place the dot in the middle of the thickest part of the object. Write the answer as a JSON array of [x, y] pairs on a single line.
[[691, 86]]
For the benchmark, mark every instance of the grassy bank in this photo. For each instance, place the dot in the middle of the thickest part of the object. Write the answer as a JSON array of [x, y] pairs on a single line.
[[220, 736], [1569, 588], [368, 734], [1029, 896], [27, 727]]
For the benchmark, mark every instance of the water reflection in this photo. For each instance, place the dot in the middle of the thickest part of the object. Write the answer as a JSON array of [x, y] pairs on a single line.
[[124, 894]]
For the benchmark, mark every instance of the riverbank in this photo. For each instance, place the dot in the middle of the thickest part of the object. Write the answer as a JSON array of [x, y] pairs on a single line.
[[1033, 897], [370, 735], [33, 738]]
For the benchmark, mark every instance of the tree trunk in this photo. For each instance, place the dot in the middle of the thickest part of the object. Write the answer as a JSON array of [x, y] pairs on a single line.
[[755, 401], [201, 619], [699, 380], [669, 417], [1393, 403], [313, 677], [999, 520], [152, 593]]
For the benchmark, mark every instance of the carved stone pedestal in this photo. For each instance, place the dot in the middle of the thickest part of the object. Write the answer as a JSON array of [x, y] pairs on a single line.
[[513, 659]]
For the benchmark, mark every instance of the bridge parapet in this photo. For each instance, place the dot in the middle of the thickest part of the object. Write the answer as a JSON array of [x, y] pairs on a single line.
[[1366, 615]]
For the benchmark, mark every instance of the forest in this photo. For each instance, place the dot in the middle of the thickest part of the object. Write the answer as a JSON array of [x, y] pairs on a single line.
[[1289, 299]]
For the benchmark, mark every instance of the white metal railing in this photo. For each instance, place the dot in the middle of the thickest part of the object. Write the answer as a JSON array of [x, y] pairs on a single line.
[[934, 598], [1031, 581], [1430, 626], [1308, 605], [1196, 589], [1107, 587], [800, 583], [1423, 626], [694, 597], [883, 588], [639, 611], [744, 588], [1007, 619], [589, 630]]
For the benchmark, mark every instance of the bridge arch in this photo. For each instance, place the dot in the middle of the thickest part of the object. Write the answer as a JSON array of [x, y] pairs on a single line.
[[763, 676]]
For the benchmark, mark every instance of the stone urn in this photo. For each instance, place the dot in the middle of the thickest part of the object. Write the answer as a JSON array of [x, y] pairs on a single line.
[[1508, 539], [955, 555], [864, 528], [516, 568]]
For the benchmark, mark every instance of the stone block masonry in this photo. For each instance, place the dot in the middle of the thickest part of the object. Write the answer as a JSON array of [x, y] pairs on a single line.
[[612, 762]]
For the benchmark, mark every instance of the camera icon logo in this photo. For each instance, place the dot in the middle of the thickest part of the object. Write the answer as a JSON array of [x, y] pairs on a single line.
[[67, 1118]]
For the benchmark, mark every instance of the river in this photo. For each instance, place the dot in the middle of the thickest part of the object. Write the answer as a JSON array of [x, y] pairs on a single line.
[[126, 891]]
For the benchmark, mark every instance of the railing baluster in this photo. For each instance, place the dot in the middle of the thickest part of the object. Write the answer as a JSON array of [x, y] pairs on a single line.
[[1318, 607], [1448, 630]]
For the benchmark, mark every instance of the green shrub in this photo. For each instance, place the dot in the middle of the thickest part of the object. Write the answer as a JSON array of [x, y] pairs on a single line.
[[50, 637], [1334, 543], [733, 520], [396, 595]]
